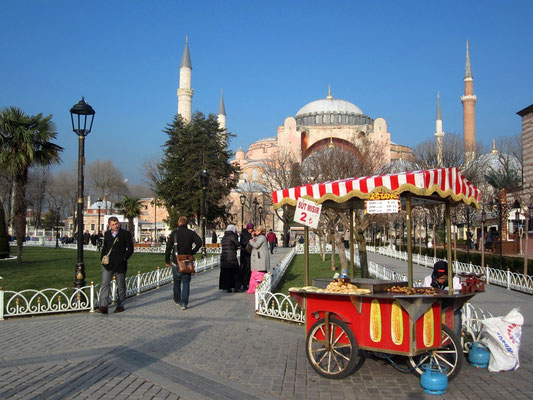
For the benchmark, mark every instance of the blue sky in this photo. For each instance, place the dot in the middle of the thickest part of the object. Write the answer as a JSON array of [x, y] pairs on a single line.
[[271, 58]]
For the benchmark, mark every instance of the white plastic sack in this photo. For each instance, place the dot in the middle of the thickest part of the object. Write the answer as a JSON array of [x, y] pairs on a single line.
[[502, 336]]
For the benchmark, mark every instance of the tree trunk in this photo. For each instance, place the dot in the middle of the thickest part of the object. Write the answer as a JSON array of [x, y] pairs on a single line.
[[286, 235], [20, 211], [131, 229], [4, 241], [332, 253], [363, 258], [322, 247], [342, 253]]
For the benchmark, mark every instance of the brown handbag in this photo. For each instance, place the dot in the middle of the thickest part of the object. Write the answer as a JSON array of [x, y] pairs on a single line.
[[185, 262]]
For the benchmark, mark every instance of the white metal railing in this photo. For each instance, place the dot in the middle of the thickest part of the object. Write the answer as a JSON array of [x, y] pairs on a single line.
[[277, 305], [90, 247], [508, 279], [33, 302]]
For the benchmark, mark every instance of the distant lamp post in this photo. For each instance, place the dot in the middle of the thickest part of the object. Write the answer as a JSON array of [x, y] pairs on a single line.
[[204, 180], [468, 238], [483, 220], [99, 201], [517, 230], [57, 227], [529, 216], [82, 116], [242, 198], [260, 214], [255, 204]]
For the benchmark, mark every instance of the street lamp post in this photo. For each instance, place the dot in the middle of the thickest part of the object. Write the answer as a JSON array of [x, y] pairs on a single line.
[[500, 223], [99, 201], [468, 233], [242, 198], [204, 180], [57, 227], [255, 203], [529, 216], [483, 220], [260, 214], [517, 230], [82, 116]]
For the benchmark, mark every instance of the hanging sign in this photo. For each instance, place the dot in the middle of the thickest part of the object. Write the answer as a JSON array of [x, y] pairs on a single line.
[[307, 213], [383, 203]]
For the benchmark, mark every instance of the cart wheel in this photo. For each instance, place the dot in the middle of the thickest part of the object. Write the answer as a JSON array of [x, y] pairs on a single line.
[[449, 355], [334, 358]]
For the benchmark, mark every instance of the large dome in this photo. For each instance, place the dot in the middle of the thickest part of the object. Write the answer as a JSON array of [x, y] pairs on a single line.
[[331, 111], [330, 105]]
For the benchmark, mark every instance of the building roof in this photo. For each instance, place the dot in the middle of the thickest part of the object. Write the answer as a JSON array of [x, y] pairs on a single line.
[[526, 111], [186, 59], [221, 108], [468, 67], [330, 105]]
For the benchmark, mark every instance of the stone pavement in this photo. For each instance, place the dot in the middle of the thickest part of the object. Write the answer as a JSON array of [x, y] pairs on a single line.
[[215, 349]]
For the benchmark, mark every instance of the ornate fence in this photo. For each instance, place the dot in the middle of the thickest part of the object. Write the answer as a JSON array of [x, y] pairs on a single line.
[[508, 279], [33, 302], [90, 247]]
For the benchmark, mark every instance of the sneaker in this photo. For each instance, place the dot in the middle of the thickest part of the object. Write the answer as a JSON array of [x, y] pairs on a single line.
[[183, 307], [119, 309]]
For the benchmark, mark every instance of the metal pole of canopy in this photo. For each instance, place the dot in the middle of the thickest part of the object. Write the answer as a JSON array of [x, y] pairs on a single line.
[[352, 255], [449, 247], [409, 244], [306, 234]]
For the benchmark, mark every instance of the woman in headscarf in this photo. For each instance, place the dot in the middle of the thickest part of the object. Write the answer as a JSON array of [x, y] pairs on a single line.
[[260, 259], [229, 264]]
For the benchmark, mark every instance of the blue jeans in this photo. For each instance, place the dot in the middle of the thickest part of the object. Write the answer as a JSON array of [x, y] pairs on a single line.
[[181, 297]]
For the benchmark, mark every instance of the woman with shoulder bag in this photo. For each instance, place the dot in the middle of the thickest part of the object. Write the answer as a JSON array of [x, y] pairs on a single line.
[[260, 258]]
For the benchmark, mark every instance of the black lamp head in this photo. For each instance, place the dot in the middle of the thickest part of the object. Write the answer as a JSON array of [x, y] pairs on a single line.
[[83, 112]]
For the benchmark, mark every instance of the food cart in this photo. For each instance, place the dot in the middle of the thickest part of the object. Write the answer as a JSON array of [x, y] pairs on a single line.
[[382, 316]]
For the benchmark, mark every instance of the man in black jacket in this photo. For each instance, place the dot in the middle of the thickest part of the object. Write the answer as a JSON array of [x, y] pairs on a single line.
[[118, 246], [187, 242], [246, 235]]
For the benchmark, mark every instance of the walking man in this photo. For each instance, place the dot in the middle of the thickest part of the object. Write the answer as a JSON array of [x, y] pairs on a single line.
[[184, 241], [272, 239], [117, 249]]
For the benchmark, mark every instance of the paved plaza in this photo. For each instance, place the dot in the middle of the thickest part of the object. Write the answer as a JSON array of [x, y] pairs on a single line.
[[217, 349]]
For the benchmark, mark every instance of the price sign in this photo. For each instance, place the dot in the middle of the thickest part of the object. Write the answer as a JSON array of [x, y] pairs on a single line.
[[307, 213], [383, 203]]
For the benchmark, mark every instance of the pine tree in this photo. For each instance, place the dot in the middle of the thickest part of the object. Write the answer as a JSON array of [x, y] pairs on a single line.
[[190, 148]]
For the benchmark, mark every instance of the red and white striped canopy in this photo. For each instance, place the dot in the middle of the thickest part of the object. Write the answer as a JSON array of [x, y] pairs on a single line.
[[444, 182]]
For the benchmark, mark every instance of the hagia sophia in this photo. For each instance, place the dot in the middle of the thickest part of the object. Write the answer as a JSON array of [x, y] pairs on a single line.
[[326, 122]]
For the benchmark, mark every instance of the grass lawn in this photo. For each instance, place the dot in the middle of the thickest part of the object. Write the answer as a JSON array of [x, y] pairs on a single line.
[[295, 274], [54, 268]]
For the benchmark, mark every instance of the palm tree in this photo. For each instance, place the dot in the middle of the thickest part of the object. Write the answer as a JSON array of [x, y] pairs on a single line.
[[130, 208], [25, 141], [4, 240]]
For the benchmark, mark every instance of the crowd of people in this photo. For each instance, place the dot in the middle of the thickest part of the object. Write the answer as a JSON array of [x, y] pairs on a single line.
[[237, 274]]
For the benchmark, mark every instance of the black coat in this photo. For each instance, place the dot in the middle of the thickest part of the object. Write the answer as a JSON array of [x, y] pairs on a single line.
[[188, 243], [122, 250], [244, 239], [230, 244]]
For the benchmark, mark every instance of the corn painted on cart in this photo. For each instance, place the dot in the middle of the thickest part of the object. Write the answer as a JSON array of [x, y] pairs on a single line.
[[419, 327]]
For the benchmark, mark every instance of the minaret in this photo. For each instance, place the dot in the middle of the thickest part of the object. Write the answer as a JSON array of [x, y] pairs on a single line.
[[221, 116], [439, 133], [185, 92], [469, 110]]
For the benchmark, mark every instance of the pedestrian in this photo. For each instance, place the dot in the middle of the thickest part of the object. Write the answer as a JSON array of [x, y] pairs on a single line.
[[272, 239], [260, 258], [214, 237], [117, 249], [184, 242], [246, 235], [229, 265]]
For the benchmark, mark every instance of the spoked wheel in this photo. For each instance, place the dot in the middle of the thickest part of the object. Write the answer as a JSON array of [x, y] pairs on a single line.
[[450, 355], [332, 348]]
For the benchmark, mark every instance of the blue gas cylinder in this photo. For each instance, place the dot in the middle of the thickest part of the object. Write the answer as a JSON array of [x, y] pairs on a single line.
[[479, 355], [434, 379]]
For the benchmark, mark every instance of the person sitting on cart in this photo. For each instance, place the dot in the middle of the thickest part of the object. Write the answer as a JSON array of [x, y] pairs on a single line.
[[439, 280]]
